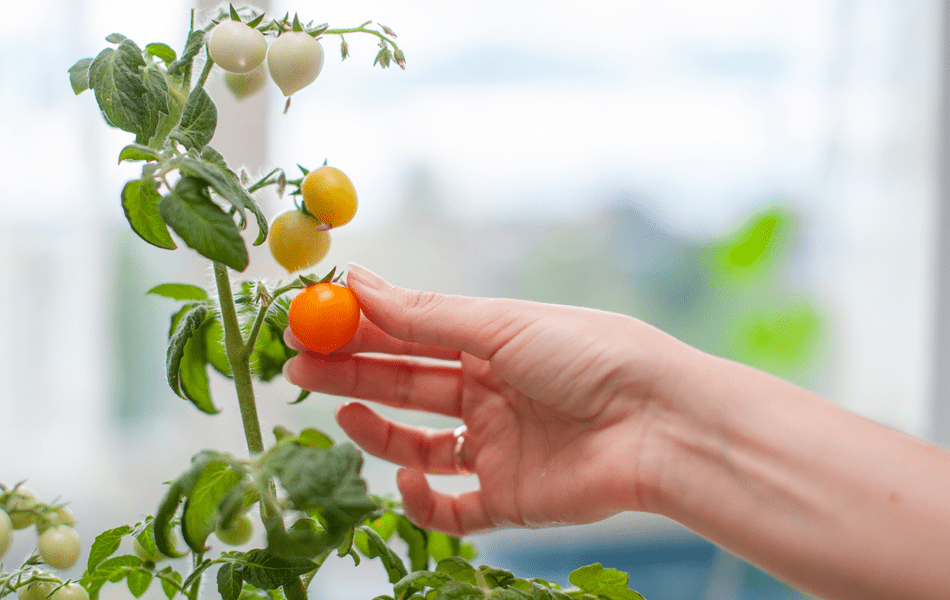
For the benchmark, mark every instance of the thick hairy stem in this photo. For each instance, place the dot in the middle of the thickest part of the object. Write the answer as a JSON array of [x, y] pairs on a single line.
[[240, 359]]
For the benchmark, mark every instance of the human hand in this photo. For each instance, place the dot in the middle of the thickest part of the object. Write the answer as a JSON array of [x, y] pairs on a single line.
[[558, 402]]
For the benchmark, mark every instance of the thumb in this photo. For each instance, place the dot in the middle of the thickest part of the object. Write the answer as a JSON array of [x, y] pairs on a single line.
[[476, 326]]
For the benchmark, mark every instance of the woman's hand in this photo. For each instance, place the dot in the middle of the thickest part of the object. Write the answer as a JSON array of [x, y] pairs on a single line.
[[558, 402]]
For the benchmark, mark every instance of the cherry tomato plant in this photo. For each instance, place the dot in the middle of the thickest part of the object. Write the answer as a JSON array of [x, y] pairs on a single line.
[[304, 490]]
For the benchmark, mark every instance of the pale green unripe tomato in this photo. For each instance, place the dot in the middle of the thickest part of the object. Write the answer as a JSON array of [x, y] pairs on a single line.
[[238, 533], [236, 47], [294, 61], [21, 507], [6, 531], [244, 85], [70, 591], [60, 546], [38, 590]]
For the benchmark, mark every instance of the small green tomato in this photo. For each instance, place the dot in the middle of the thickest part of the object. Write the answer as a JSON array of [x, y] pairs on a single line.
[[70, 591], [60, 546], [6, 531], [236, 47], [245, 85], [22, 507], [239, 532], [38, 590], [294, 61]]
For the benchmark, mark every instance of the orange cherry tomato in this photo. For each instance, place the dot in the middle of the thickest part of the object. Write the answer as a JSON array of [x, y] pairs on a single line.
[[324, 317]]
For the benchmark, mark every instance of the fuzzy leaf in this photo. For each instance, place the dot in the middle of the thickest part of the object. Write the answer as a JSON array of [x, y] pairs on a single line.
[[609, 584], [139, 152], [79, 75], [199, 118], [182, 363], [115, 76], [201, 517], [140, 201], [230, 582], [377, 548], [267, 571], [179, 291], [162, 51], [183, 65], [202, 224], [114, 570], [170, 590]]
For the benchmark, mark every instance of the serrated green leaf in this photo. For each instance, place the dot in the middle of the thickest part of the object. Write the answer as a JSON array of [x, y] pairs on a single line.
[[197, 573], [105, 545], [158, 103], [182, 66], [143, 535], [138, 582], [457, 568], [170, 590], [227, 185], [376, 547], [115, 76], [179, 291], [113, 569], [199, 118], [162, 51], [419, 581], [230, 582], [183, 358], [496, 577], [609, 584], [139, 152], [417, 540], [326, 480], [270, 354], [267, 571], [200, 517], [140, 200], [202, 224], [79, 75]]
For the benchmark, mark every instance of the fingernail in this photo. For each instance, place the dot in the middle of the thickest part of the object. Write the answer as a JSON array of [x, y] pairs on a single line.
[[366, 278]]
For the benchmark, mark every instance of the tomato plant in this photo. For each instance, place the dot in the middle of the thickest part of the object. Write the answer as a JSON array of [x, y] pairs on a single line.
[[325, 316], [307, 489], [297, 241], [329, 195]]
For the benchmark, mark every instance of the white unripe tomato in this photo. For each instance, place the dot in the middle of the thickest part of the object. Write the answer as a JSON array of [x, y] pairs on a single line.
[[6, 531], [59, 546], [294, 60], [237, 48], [22, 507], [239, 532], [70, 591], [38, 590]]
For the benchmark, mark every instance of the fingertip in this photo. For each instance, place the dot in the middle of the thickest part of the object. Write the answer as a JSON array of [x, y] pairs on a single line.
[[291, 340], [416, 495]]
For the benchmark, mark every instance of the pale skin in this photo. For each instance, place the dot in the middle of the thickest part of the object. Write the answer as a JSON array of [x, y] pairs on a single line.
[[575, 415]]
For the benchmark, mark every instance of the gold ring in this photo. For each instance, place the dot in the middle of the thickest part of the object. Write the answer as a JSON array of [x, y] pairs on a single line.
[[459, 434]]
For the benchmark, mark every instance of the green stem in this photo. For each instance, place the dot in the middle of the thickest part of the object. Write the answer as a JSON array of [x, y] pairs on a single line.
[[361, 29], [256, 328], [239, 359], [206, 71]]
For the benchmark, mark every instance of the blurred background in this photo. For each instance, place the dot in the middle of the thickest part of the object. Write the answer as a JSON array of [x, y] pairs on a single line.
[[759, 179]]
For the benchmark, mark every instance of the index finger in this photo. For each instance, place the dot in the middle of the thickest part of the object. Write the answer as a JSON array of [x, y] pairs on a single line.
[[370, 338]]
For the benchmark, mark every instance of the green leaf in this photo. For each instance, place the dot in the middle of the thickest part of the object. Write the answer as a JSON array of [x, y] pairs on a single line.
[[270, 354], [778, 339], [199, 118], [115, 38], [105, 545], [182, 362], [179, 291], [419, 581], [442, 546], [158, 104], [161, 526], [214, 344], [115, 76], [170, 590], [417, 540], [79, 75], [609, 584], [495, 577], [227, 185], [138, 582], [754, 248], [376, 547], [267, 571], [200, 516], [314, 439], [139, 152], [197, 573], [458, 569], [140, 201], [114, 570], [326, 480], [143, 535], [202, 224], [182, 66], [230, 582], [162, 51]]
